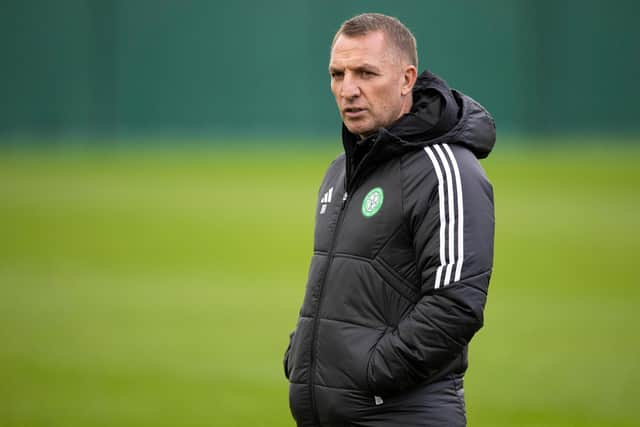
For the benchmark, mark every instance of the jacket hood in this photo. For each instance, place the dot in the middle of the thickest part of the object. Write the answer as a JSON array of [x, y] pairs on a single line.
[[439, 115]]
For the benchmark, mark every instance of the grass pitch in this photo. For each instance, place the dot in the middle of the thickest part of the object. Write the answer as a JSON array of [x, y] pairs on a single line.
[[157, 287]]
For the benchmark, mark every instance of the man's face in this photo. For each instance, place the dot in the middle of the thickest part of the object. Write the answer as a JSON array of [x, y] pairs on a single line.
[[372, 86]]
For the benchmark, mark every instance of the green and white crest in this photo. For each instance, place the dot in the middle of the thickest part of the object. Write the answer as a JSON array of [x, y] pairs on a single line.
[[372, 202]]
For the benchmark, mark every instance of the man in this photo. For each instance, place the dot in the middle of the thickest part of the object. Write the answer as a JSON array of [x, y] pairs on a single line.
[[403, 243]]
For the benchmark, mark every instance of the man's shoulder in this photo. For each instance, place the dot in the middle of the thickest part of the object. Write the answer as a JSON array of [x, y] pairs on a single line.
[[340, 159], [338, 162], [430, 161]]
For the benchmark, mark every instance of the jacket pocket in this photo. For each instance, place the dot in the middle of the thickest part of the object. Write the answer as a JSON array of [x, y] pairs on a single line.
[[369, 369], [395, 280], [286, 356]]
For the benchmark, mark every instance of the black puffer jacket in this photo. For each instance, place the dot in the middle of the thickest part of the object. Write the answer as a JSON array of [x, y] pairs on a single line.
[[401, 264]]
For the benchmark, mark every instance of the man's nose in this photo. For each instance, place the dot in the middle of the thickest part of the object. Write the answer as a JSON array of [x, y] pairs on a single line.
[[350, 88]]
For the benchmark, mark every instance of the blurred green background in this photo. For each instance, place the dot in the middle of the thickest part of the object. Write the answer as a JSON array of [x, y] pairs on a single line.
[[159, 164]]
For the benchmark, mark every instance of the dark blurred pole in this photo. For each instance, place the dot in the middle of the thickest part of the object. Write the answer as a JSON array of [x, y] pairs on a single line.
[[532, 63], [542, 36], [104, 66]]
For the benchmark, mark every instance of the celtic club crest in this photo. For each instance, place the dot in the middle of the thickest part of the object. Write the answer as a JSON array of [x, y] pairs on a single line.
[[372, 202]]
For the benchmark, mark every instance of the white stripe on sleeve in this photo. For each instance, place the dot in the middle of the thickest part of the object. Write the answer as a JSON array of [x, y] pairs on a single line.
[[452, 215]]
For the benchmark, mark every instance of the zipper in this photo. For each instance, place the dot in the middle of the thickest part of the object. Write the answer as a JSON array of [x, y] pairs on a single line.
[[314, 335], [349, 185]]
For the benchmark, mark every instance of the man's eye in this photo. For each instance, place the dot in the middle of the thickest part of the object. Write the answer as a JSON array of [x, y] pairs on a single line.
[[365, 73], [336, 74]]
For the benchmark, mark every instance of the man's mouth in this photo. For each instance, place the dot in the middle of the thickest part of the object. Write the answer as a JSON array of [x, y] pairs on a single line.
[[353, 111]]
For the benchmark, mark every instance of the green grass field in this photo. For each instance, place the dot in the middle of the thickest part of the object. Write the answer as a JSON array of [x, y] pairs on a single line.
[[157, 287]]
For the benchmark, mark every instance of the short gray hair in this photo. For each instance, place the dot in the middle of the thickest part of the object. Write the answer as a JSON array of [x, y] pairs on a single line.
[[395, 31]]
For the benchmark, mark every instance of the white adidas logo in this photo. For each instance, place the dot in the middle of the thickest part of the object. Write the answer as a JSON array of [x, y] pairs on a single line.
[[326, 199]]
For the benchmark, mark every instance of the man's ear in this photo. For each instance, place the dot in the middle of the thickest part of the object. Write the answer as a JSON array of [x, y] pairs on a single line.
[[409, 79]]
